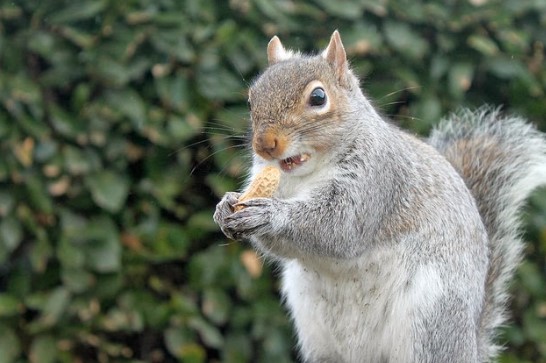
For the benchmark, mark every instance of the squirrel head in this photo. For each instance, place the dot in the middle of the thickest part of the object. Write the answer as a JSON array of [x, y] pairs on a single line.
[[297, 105]]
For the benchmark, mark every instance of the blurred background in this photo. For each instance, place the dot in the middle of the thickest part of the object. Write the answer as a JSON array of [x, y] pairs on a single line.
[[122, 123]]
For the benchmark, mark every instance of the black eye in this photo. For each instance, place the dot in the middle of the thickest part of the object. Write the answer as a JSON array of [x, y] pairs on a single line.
[[318, 97], [249, 105]]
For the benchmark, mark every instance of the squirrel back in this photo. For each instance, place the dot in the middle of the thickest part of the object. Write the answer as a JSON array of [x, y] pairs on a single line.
[[502, 159]]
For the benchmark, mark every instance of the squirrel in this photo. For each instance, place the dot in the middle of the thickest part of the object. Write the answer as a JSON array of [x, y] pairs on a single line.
[[393, 248]]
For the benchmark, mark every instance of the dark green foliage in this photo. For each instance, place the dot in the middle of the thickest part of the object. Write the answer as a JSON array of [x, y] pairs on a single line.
[[122, 123]]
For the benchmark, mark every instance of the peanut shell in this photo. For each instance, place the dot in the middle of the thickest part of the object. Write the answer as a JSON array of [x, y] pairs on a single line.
[[264, 185]]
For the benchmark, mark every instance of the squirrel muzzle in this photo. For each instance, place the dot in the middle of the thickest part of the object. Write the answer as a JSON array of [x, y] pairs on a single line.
[[270, 144]]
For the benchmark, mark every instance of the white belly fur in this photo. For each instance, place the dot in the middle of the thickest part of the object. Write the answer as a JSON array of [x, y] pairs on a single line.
[[360, 313]]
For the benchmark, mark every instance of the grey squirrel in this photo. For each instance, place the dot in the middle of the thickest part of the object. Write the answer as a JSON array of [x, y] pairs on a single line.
[[392, 248]]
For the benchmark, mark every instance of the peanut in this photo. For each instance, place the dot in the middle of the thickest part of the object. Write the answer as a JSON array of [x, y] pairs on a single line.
[[264, 185]]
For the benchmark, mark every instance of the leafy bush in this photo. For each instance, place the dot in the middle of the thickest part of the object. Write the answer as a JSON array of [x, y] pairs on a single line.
[[123, 123]]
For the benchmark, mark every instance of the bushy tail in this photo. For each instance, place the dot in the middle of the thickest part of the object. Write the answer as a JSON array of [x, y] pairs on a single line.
[[501, 159]]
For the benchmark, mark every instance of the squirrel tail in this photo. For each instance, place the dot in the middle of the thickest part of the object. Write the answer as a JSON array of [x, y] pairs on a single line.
[[502, 159]]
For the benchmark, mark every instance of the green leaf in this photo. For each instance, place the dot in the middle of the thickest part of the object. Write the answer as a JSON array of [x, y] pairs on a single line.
[[20, 283], [460, 78], [111, 71], [342, 8], [201, 223], [122, 320], [38, 195], [11, 233], [170, 242], [208, 333], [42, 42], [483, 45], [77, 280], [180, 343], [41, 252], [531, 278], [405, 40], [103, 249], [217, 82], [108, 189], [220, 84], [221, 185], [439, 66], [46, 149], [43, 350], [216, 305], [10, 347], [108, 285], [427, 111], [238, 348], [78, 161], [9, 305], [69, 251], [65, 123], [94, 243], [55, 306], [80, 38], [534, 327], [130, 104], [174, 91], [506, 68], [174, 43], [77, 11], [179, 129], [24, 89]]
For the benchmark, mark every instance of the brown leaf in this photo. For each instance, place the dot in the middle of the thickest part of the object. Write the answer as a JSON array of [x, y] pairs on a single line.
[[252, 263], [23, 151]]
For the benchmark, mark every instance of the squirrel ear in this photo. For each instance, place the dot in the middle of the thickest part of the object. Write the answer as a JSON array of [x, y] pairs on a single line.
[[276, 51], [336, 56]]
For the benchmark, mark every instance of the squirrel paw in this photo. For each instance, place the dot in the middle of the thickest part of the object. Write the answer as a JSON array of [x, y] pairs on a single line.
[[254, 219], [225, 208]]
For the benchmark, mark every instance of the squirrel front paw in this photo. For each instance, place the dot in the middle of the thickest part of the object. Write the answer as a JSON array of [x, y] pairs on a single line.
[[253, 220], [224, 208]]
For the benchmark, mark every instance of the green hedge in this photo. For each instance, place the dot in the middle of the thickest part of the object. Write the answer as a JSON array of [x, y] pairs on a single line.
[[123, 122]]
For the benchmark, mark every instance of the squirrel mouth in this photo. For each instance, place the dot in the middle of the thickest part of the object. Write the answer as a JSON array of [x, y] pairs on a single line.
[[293, 161]]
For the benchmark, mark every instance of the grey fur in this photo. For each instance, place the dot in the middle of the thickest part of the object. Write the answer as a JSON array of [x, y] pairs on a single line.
[[502, 159], [381, 215]]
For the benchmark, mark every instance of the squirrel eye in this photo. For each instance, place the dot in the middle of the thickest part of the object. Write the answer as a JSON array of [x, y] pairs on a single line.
[[318, 97], [249, 105]]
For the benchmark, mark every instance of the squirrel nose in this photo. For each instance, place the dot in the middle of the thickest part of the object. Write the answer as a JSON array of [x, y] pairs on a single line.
[[269, 144]]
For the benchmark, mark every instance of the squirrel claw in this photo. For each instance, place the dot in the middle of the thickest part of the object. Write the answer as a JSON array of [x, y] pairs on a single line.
[[254, 202]]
